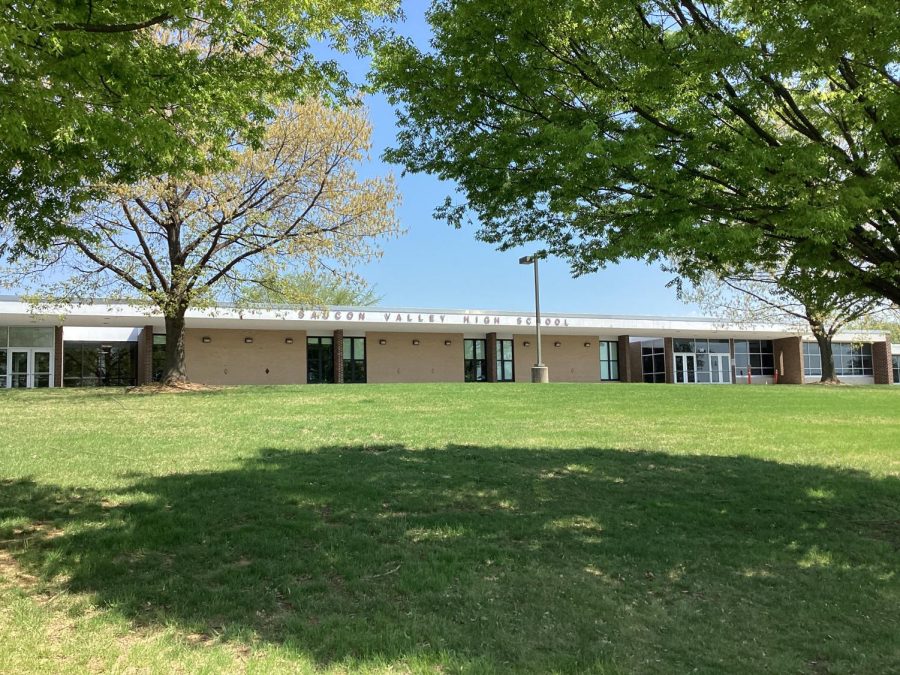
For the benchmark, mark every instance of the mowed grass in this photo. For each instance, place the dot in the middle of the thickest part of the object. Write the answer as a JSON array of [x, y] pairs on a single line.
[[451, 528]]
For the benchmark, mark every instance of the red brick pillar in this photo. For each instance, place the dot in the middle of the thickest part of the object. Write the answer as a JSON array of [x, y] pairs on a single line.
[[789, 359], [145, 356], [882, 366], [625, 364], [58, 356], [670, 360], [636, 359], [490, 353], [338, 355]]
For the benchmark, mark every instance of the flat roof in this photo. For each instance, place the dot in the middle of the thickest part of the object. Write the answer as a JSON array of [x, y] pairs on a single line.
[[15, 310]]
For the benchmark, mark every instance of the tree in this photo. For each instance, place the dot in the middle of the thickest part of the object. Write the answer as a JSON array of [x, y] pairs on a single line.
[[716, 132], [328, 288], [98, 93], [817, 302], [177, 243]]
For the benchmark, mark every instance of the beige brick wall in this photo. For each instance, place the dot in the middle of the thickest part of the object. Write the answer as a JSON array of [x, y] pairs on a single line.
[[398, 360], [570, 362], [229, 360]]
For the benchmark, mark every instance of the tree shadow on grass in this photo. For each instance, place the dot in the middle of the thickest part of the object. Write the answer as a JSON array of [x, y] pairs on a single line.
[[491, 558]]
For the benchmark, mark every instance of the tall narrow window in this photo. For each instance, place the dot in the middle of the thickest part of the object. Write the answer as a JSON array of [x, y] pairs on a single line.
[[609, 360], [3, 356], [354, 360], [895, 359], [475, 361], [319, 360], [158, 356], [505, 369]]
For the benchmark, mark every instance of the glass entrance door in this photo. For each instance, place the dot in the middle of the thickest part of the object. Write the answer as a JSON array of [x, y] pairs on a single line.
[[720, 368], [319, 360], [40, 368], [26, 368], [685, 368], [18, 368]]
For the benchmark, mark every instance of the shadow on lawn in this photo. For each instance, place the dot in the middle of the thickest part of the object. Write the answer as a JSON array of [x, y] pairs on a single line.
[[491, 557]]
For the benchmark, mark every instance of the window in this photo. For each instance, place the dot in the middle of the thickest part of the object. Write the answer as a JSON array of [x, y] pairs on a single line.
[[895, 359], [609, 360], [653, 361], [158, 356], [354, 360], [3, 353], [475, 364], [755, 356], [849, 359], [319, 360], [505, 369], [94, 364]]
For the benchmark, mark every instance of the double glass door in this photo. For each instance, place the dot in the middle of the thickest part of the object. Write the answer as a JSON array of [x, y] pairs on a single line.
[[720, 368], [23, 368], [685, 368]]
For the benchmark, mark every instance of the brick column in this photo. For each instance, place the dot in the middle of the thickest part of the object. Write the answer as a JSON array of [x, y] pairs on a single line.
[[58, 356], [338, 355], [625, 363], [882, 366], [636, 357], [670, 360], [789, 359], [490, 353], [145, 356]]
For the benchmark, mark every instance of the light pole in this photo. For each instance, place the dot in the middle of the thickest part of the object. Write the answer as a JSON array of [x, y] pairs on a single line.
[[539, 372]]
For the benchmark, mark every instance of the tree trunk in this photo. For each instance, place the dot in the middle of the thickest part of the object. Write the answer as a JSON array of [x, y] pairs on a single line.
[[828, 374], [174, 370]]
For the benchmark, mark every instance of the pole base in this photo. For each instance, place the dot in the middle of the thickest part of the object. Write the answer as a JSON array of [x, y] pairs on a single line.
[[540, 374]]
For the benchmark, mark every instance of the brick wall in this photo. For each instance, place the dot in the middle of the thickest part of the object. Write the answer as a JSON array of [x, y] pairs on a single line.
[[670, 360], [145, 356], [882, 366], [338, 355], [626, 373], [789, 359]]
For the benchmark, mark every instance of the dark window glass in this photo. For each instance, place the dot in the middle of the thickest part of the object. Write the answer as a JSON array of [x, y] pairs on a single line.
[[94, 364], [158, 356], [654, 363], [609, 360], [757, 356], [849, 359], [354, 360], [505, 369], [319, 360], [3, 383], [475, 363], [895, 359]]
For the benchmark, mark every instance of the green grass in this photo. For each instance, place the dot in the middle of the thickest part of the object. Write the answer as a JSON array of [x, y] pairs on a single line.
[[452, 528]]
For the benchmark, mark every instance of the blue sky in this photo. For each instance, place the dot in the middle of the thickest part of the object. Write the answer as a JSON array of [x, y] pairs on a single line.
[[434, 265]]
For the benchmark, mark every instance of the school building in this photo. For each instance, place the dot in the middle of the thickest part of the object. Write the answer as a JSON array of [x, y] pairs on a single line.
[[119, 344]]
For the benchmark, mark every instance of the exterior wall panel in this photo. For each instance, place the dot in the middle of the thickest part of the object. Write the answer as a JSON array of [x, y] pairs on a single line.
[[570, 362], [399, 360], [882, 365], [227, 359]]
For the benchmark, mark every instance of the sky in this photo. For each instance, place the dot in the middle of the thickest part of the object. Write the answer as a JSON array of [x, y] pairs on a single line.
[[435, 265]]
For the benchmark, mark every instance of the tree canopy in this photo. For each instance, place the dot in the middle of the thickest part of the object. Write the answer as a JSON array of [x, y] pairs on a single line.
[[309, 288], [716, 131], [97, 93], [174, 243]]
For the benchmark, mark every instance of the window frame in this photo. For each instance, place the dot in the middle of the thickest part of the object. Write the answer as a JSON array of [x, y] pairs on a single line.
[[350, 358]]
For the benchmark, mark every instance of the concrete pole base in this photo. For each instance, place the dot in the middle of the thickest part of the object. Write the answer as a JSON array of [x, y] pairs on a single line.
[[540, 374]]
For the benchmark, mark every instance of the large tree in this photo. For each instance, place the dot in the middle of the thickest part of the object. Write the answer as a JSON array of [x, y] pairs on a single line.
[[715, 131], [96, 93], [327, 287], [179, 242]]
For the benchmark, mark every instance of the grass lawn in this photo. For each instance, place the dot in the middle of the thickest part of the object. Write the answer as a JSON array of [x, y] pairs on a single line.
[[452, 528]]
